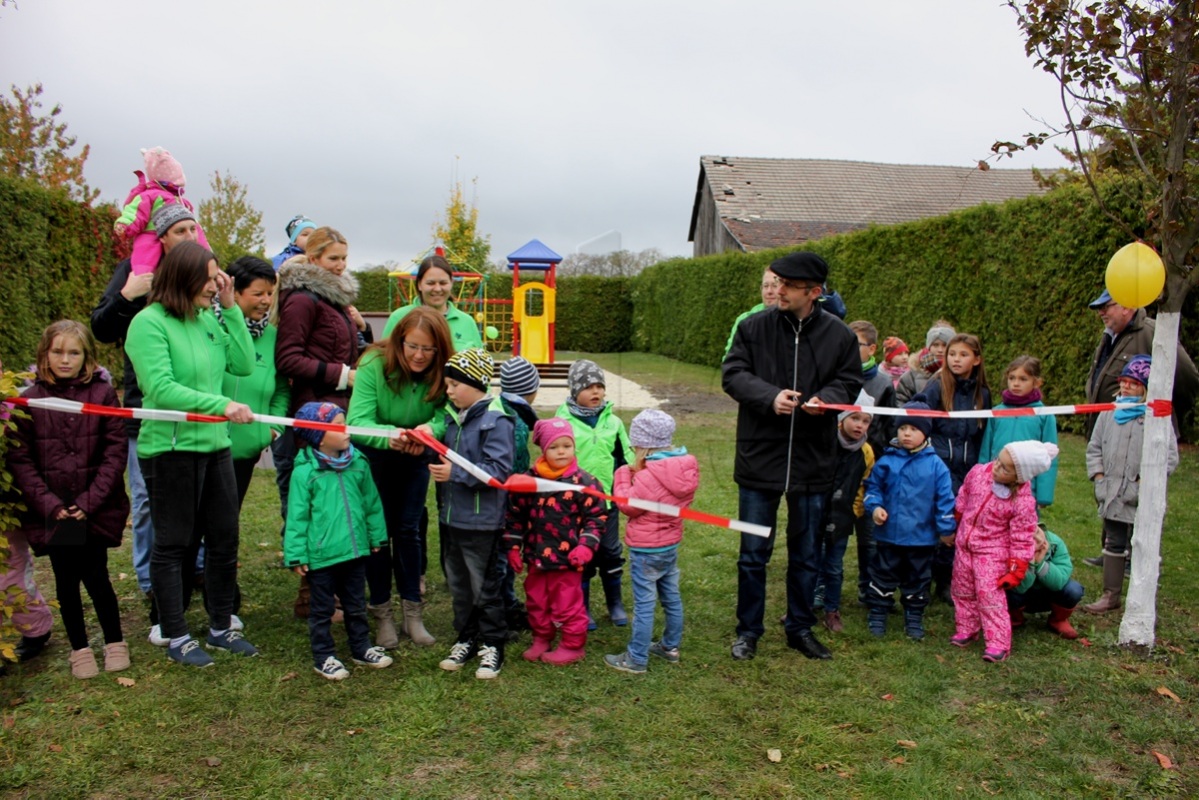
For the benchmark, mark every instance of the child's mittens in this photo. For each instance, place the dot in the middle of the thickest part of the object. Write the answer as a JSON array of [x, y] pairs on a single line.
[[1016, 568], [580, 556], [515, 562]]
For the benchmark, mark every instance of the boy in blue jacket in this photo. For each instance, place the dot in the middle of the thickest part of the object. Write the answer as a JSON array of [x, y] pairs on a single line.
[[472, 513], [909, 496]]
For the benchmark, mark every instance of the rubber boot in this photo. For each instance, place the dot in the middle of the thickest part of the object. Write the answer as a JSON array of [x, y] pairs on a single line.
[[414, 624], [563, 655], [1017, 617], [1059, 622], [591, 625], [616, 611], [539, 648], [1113, 585], [385, 626]]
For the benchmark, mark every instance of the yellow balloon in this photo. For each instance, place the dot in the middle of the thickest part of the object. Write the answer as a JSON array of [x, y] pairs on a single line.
[[1135, 275]]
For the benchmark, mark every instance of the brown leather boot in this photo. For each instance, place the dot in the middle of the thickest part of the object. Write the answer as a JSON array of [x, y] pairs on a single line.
[[1059, 622], [1113, 585]]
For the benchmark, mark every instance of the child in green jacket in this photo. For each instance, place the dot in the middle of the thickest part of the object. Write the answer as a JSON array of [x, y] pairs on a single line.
[[1047, 585], [334, 521], [602, 446]]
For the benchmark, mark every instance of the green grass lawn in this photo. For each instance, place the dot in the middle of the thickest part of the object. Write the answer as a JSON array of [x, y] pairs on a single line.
[[888, 718]]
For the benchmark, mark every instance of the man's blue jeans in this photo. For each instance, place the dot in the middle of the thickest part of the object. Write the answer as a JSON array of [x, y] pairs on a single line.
[[804, 512], [655, 577]]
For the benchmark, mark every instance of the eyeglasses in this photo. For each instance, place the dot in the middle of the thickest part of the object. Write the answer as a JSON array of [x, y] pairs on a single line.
[[790, 284], [419, 348], [1105, 306]]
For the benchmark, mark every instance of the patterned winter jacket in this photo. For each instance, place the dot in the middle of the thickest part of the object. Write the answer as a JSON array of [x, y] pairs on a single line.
[[992, 525], [548, 526], [672, 480]]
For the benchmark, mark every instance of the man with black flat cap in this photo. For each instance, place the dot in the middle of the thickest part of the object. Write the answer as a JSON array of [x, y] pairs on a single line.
[[784, 363]]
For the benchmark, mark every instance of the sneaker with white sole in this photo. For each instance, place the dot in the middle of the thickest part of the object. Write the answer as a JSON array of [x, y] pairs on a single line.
[[235, 623], [374, 657], [156, 638], [620, 662], [332, 669], [491, 661], [670, 654], [460, 653], [233, 642], [189, 654]]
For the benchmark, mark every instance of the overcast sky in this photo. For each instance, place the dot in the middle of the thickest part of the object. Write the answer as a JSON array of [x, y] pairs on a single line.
[[576, 119]]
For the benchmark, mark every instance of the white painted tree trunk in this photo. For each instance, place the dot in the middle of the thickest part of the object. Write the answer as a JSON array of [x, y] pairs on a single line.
[[1140, 607]]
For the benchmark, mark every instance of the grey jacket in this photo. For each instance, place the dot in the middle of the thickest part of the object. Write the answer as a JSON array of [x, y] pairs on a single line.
[[1115, 451], [485, 435]]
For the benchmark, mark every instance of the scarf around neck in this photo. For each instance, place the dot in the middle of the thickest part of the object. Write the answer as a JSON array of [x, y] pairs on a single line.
[[1012, 399], [338, 463], [847, 443], [258, 327], [1133, 408], [585, 413], [544, 470]]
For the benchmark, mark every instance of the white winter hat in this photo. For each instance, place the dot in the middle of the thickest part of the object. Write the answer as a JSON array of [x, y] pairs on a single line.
[[1031, 458], [864, 400]]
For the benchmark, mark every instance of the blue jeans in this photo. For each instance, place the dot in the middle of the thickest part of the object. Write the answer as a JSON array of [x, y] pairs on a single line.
[[804, 512], [1038, 598], [655, 577], [832, 568], [402, 481], [347, 581]]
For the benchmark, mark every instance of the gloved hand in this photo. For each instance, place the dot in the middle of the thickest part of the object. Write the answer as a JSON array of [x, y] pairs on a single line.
[[515, 562], [580, 556], [1015, 573]]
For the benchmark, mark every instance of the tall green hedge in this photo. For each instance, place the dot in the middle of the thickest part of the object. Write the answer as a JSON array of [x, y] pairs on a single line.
[[1018, 275], [56, 257], [594, 314]]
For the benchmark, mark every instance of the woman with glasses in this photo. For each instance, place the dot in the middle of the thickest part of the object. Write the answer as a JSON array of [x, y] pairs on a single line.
[[400, 384], [434, 282]]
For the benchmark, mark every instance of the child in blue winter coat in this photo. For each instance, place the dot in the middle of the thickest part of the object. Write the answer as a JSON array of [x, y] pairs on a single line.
[[297, 229], [909, 495]]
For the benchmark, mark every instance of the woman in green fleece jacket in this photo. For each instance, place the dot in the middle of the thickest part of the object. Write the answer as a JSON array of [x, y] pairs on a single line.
[[180, 351], [400, 384]]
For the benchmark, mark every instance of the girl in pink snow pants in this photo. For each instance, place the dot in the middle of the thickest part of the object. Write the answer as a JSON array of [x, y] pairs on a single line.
[[994, 543]]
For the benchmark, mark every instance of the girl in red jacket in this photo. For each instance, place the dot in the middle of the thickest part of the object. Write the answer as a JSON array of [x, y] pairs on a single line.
[[70, 469], [666, 474]]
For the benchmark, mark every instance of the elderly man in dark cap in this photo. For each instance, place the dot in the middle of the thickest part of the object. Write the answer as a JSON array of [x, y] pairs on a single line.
[[784, 363]]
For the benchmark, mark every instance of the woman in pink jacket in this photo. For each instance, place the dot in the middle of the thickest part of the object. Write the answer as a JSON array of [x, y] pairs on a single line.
[[665, 474], [994, 543]]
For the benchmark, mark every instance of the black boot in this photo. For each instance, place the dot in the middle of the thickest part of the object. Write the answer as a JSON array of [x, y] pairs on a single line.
[[31, 646], [616, 611]]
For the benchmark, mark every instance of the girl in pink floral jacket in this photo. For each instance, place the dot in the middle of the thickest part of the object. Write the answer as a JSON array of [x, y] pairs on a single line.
[[997, 516]]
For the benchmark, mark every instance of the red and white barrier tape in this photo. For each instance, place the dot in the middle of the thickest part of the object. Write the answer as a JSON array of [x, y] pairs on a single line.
[[516, 483], [1160, 408]]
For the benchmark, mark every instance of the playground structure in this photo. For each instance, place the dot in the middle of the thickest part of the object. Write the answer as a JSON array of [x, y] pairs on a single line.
[[524, 325]]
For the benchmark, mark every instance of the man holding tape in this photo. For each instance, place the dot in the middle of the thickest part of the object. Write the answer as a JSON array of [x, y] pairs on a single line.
[[785, 363]]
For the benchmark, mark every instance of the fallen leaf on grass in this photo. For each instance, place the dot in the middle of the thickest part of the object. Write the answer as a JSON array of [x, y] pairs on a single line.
[[823, 767], [121, 576], [1163, 759], [127, 681], [898, 760], [888, 697], [291, 676], [842, 774], [1085, 642], [908, 743], [264, 544], [774, 754], [1129, 668], [1174, 649], [9, 722], [843, 726], [355, 731], [1164, 692], [940, 658], [56, 748], [212, 761]]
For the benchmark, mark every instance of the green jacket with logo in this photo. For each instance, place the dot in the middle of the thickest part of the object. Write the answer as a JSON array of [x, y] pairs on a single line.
[[332, 515], [265, 392], [596, 448]]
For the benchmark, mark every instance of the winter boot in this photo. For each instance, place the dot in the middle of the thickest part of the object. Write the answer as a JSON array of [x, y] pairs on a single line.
[[539, 648], [591, 625], [563, 655], [414, 624], [616, 611], [876, 622], [1113, 586], [1059, 622], [385, 626], [913, 623], [1017, 617]]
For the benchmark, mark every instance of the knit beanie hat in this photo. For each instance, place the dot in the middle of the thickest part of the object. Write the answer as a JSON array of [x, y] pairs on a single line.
[[168, 215], [162, 167], [939, 333], [864, 400], [316, 412], [651, 429], [1137, 369], [1031, 458], [519, 376], [296, 225], [548, 431], [584, 373], [923, 424], [893, 346], [472, 367]]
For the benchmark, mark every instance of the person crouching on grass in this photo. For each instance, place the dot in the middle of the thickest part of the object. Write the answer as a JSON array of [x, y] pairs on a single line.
[[472, 513], [994, 542], [334, 522], [556, 535]]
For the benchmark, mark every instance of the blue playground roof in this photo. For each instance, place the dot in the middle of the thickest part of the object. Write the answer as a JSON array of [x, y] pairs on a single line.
[[534, 255]]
